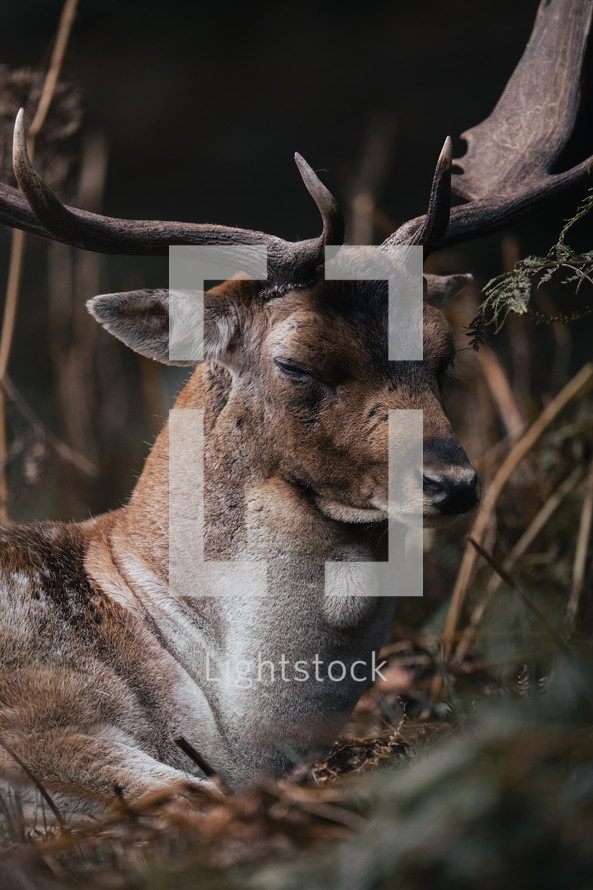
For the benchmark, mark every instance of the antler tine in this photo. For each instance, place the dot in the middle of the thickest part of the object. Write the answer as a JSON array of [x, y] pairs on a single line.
[[40, 197], [434, 224], [333, 221], [506, 169]]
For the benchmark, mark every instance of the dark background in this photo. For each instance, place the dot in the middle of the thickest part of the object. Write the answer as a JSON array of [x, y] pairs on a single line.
[[203, 106]]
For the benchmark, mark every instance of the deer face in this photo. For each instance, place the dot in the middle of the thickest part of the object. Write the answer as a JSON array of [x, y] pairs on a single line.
[[310, 389], [314, 371]]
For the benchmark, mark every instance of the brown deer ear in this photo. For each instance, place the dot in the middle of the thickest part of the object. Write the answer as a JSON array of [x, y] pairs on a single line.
[[439, 289], [140, 319], [169, 327]]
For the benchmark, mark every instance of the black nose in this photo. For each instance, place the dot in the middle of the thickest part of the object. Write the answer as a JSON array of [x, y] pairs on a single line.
[[449, 480], [450, 494]]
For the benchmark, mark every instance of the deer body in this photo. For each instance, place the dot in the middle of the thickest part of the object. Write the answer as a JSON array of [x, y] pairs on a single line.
[[220, 671]]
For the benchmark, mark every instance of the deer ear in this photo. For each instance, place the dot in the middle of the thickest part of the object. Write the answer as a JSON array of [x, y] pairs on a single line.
[[439, 289], [140, 319], [170, 327]]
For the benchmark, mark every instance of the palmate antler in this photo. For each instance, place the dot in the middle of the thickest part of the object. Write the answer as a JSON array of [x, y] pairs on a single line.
[[506, 170]]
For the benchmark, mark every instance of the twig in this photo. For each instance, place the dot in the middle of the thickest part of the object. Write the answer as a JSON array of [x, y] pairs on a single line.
[[509, 581], [501, 392], [6, 338], [4, 517], [18, 237], [193, 755], [580, 556], [539, 521], [12, 287], [370, 177], [574, 387], [560, 332], [61, 448], [53, 72], [35, 781], [73, 356], [197, 758], [333, 813], [504, 574], [519, 342]]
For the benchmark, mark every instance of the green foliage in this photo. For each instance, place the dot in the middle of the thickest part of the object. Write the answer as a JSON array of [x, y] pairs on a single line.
[[511, 291]]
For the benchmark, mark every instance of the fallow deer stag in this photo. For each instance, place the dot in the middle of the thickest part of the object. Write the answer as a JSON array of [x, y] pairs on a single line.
[[104, 663]]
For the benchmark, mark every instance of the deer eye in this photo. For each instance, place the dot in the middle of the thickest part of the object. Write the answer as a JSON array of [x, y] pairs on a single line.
[[294, 372]]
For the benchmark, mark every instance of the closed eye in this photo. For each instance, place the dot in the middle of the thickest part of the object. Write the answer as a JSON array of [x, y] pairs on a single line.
[[294, 372]]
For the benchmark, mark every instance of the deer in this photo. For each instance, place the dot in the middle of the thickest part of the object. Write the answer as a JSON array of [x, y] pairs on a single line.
[[105, 663]]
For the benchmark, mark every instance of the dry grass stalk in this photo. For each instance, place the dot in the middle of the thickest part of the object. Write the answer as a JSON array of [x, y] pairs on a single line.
[[53, 72], [582, 380], [519, 341], [33, 778], [527, 601], [476, 415], [501, 392], [64, 451], [10, 307], [508, 398], [4, 518], [18, 238], [580, 556], [375, 163], [72, 333], [538, 523], [194, 755], [561, 334]]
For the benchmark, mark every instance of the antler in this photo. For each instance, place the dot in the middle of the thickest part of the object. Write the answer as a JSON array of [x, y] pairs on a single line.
[[506, 170], [41, 212]]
